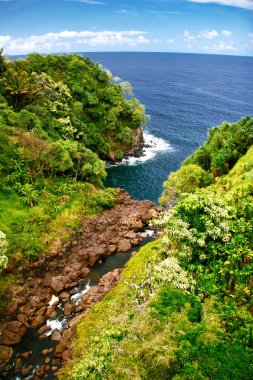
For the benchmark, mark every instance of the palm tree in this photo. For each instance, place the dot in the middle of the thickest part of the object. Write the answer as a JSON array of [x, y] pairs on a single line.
[[19, 85]]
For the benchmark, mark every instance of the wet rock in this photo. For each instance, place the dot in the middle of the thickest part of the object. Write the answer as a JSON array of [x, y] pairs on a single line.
[[42, 310], [5, 353], [68, 308], [70, 285], [18, 365], [42, 329], [47, 360], [56, 285], [41, 371], [25, 355], [64, 295], [46, 351], [26, 370], [37, 321], [124, 245], [56, 335], [13, 333], [49, 311]]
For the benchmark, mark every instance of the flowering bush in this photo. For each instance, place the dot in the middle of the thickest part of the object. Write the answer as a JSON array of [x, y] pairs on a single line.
[[3, 249]]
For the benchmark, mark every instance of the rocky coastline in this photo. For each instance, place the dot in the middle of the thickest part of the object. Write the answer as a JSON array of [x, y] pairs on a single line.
[[54, 280]]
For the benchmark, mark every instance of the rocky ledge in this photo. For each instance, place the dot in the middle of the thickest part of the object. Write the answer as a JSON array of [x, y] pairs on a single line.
[[58, 274]]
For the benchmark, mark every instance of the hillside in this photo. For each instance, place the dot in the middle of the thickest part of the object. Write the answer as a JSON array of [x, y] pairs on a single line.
[[183, 306], [59, 116]]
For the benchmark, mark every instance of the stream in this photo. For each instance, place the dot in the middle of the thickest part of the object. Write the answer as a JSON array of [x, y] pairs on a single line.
[[37, 349]]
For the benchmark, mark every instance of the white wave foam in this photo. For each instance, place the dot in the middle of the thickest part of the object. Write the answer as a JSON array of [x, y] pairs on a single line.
[[77, 296], [153, 145]]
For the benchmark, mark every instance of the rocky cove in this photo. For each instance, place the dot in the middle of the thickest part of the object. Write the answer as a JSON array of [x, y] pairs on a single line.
[[37, 328]]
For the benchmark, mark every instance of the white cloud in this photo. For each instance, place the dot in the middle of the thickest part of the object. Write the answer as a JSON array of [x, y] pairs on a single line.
[[188, 37], [251, 37], [226, 33], [208, 34], [68, 40], [220, 47], [170, 41], [247, 4], [4, 39]]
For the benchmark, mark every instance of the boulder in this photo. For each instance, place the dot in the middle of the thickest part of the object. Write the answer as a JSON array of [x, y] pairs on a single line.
[[56, 285], [13, 333], [112, 248], [68, 308], [37, 321], [124, 245], [56, 335], [5, 353]]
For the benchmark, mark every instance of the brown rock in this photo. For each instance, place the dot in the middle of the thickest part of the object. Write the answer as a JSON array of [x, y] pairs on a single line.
[[64, 295], [5, 353], [47, 360], [23, 319], [56, 335], [37, 321], [56, 285], [75, 320], [11, 337], [124, 245], [18, 365], [46, 351], [26, 370], [68, 308], [42, 329], [70, 285], [25, 355], [42, 310], [49, 311], [112, 248], [66, 355]]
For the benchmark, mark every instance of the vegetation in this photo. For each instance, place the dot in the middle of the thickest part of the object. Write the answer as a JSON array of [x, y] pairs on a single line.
[[183, 307], [59, 116], [225, 145]]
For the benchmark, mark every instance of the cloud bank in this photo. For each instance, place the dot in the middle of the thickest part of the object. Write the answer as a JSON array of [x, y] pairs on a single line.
[[69, 40], [247, 4]]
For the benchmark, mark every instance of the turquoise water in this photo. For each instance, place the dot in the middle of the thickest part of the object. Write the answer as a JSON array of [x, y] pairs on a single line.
[[185, 95]]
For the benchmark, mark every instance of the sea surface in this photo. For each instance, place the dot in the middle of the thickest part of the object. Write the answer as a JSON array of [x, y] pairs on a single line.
[[185, 95]]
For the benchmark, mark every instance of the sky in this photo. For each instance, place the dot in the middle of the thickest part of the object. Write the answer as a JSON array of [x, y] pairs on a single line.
[[191, 26]]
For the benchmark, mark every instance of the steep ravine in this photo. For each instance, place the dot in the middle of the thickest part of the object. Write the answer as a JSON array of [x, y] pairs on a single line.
[[38, 326]]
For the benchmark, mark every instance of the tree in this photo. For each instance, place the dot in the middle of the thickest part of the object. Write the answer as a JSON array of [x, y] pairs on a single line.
[[186, 180]]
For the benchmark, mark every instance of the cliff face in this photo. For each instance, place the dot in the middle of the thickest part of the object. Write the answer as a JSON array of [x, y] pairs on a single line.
[[133, 149]]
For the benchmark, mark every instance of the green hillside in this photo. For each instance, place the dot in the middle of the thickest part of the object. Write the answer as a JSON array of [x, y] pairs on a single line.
[[183, 307], [59, 116]]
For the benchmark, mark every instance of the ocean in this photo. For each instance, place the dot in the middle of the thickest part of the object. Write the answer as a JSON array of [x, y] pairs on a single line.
[[185, 95]]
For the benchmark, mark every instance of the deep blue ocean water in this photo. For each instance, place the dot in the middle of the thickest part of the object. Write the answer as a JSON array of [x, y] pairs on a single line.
[[185, 95]]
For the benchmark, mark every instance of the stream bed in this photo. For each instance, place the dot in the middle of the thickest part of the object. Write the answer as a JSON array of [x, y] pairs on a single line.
[[34, 356]]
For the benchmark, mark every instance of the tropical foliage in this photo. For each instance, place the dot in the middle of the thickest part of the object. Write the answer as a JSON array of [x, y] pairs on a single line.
[[183, 307], [59, 117]]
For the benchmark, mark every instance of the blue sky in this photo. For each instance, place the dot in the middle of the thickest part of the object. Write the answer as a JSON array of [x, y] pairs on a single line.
[[194, 26]]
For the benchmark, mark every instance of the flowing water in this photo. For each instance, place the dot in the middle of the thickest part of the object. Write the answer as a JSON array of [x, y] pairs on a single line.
[[32, 340]]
